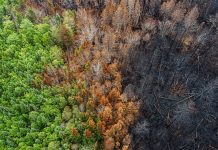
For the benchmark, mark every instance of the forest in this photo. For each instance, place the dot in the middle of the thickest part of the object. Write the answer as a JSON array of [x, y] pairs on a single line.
[[108, 74]]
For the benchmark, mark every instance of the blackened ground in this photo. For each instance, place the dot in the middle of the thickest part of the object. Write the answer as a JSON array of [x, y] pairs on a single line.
[[178, 94]]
